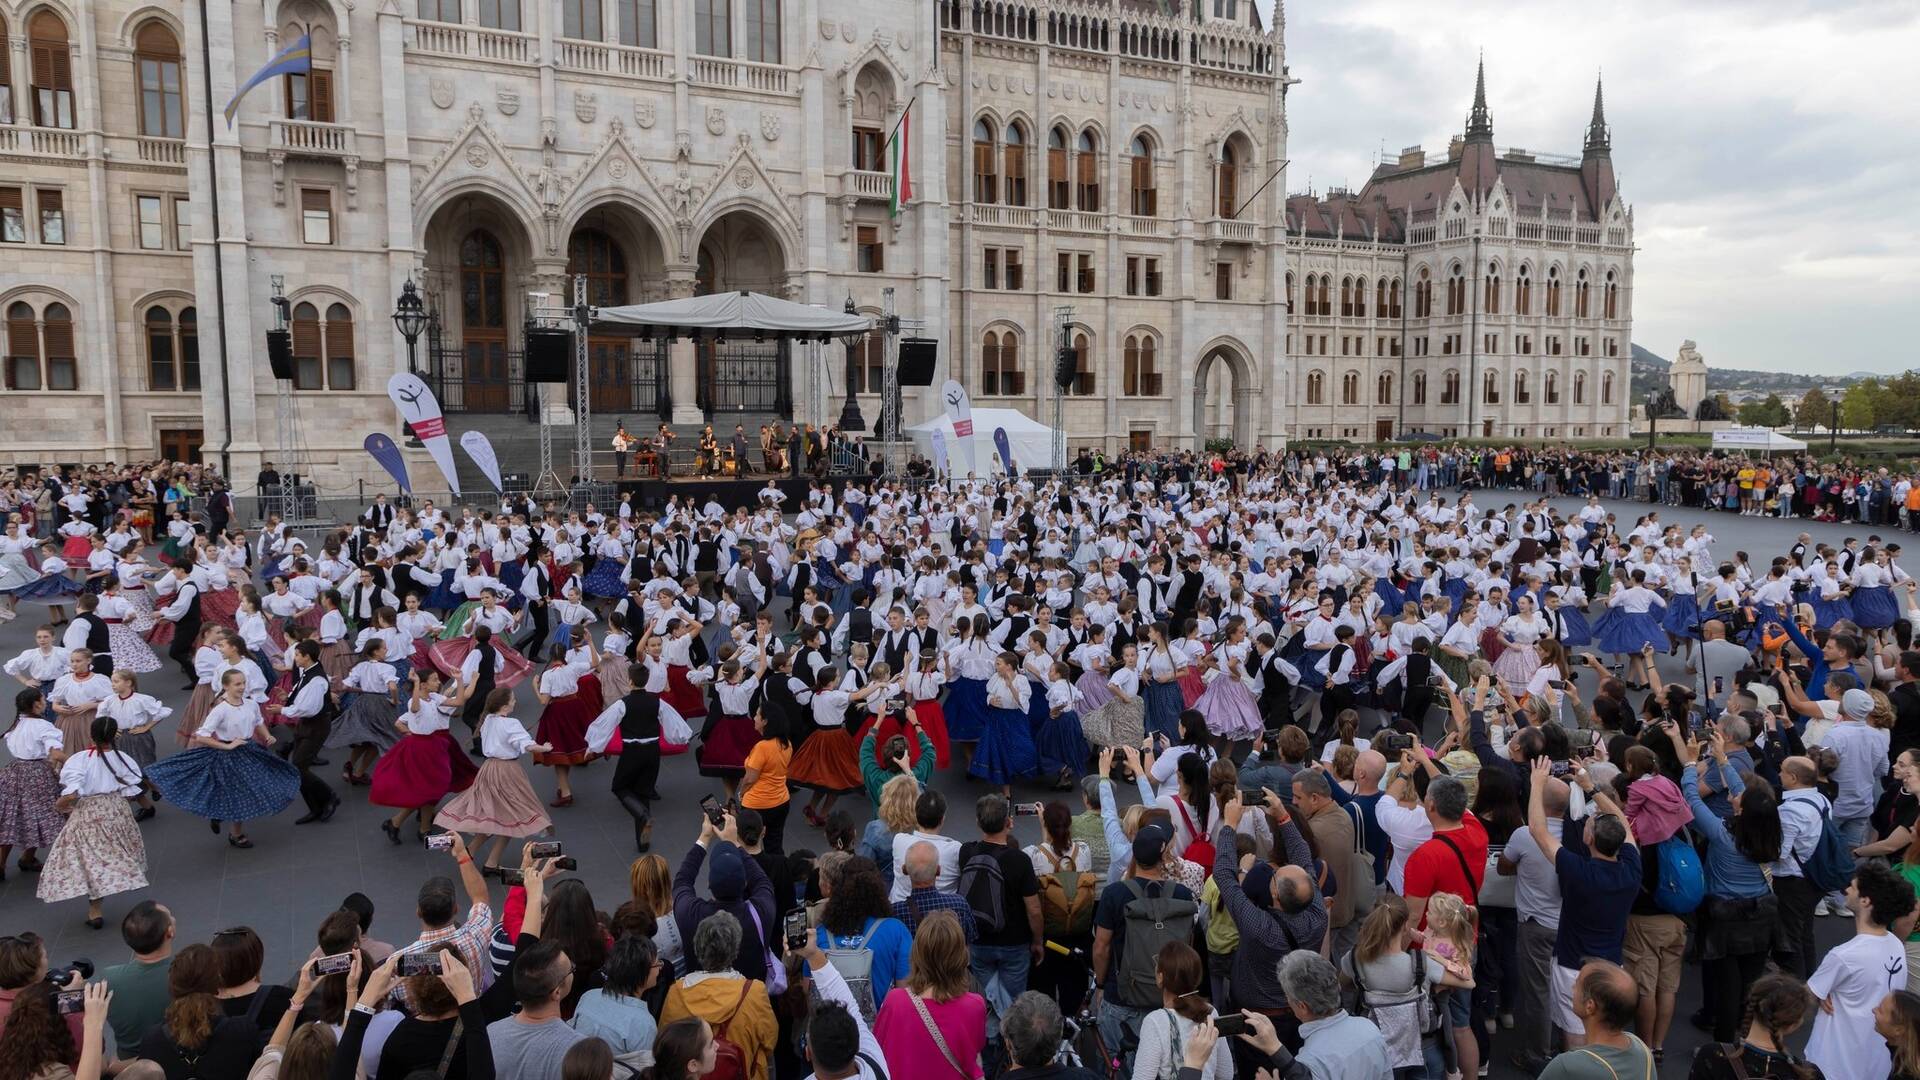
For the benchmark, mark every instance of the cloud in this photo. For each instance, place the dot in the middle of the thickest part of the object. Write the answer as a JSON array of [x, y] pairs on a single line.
[[1765, 146]]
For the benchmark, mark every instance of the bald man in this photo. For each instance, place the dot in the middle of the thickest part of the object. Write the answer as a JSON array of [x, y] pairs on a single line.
[[921, 866], [1801, 807], [1605, 1000], [1368, 768], [1295, 915]]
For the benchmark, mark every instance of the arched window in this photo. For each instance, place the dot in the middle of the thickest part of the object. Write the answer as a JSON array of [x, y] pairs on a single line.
[[1082, 365], [1580, 295], [1419, 388], [1456, 292], [1450, 387], [1383, 389], [24, 370], [1346, 297], [1423, 295], [1140, 376], [1490, 388], [1579, 388], [1014, 157], [1086, 172], [986, 179], [1522, 394], [595, 254], [1613, 297], [51, 70], [1393, 300], [1523, 291], [1552, 383], [322, 349], [1490, 290], [1326, 297], [1316, 388], [1553, 291], [173, 350], [157, 58], [6, 74], [1606, 388], [1226, 185], [1293, 301], [1000, 373], [62, 358], [872, 97], [1350, 388], [1144, 197], [1059, 182]]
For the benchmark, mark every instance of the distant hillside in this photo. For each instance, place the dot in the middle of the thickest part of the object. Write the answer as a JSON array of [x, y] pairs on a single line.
[[1650, 370]]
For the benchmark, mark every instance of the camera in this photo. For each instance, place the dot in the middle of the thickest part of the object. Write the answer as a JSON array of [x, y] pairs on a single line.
[[68, 1002], [1253, 797], [61, 976], [1434, 682], [1393, 743], [1229, 1024]]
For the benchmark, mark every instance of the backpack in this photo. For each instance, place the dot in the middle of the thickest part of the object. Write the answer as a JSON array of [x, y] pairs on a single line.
[[855, 964], [1683, 884], [1067, 899], [1404, 1020], [1831, 865], [1152, 923], [1200, 849], [984, 886], [730, 1061]]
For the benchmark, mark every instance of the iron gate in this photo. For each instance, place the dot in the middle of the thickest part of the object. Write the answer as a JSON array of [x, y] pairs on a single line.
[[744, 377]]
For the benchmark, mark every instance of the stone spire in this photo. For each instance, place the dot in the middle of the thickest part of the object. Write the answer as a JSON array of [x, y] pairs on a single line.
[[1479, 123], [1599, 139]]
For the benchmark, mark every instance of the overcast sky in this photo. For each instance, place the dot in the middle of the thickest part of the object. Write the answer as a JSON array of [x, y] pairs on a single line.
[[1770, 149]]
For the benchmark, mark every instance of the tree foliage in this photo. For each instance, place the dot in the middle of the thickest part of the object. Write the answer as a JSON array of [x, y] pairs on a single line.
[[1769, 412], [1813, 411]]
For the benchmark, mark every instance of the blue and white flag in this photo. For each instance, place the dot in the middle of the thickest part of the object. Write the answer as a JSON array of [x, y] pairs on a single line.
[[295, 59], [388, 455], [1005, 451]]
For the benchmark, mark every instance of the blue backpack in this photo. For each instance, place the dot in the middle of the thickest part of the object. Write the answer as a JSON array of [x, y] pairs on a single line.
[[1683, 884], [1831, 865]]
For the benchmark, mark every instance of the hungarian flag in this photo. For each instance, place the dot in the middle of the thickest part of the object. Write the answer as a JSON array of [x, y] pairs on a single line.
[[902, 171]]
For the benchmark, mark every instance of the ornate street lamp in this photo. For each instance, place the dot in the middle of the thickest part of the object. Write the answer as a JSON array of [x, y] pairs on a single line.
[[410, 318], [850, 418]]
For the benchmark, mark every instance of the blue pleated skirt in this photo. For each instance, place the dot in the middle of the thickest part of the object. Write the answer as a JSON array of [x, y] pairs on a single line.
[[1389, 596], [1875, 608], [1828, 612], [1577, 631], [1629, 632], [966, 709], [605, 580], [1683, 613], [1164, 704], [226, 785], [443, 598], [1006, 748], [1062, 744]]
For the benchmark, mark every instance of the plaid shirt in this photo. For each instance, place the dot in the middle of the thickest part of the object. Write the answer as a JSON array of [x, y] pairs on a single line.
[[470, 937], [925, 899]]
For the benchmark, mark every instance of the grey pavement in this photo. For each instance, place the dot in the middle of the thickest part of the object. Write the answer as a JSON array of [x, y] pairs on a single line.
[[296, 875]]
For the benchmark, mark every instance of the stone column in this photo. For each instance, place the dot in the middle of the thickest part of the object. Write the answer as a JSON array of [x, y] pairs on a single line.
[[16, 90], [682, 365]]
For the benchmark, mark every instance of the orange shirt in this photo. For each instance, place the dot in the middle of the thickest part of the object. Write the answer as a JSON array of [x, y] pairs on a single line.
[[770, 790]]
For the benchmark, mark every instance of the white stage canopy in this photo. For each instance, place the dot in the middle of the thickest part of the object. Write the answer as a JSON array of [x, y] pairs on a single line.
[[1754, 438], [1030, 441], [741, 315]]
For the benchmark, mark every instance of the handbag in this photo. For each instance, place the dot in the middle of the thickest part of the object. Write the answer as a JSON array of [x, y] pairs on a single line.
[[776, 971]]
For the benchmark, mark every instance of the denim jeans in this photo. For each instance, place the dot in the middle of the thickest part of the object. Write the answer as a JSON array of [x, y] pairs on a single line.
[[1853, 831], [1115, 1019], [1005, 965]]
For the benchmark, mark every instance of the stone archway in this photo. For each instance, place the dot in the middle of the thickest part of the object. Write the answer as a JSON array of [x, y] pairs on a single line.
[[737, 381], [624, 260], [478, 264], [1223, 394]]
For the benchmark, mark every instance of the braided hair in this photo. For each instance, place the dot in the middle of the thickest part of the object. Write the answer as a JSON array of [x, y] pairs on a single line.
[[105, 732], [1780, 1003]]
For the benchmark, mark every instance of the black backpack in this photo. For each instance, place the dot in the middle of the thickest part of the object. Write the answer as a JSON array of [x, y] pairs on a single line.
[[984, 886]]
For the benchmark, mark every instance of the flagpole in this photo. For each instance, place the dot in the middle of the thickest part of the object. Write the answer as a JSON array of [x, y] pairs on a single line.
[[897, 123]]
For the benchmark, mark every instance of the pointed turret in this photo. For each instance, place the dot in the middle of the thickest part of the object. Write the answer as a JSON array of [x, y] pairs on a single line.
[[1478, 167], [1596, 159]]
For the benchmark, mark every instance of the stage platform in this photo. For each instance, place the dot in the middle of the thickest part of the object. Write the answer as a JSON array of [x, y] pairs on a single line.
[[651, 493]]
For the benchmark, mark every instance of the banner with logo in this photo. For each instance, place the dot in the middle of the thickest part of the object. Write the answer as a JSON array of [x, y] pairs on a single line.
[[421, 410], [481, 451], [960, 411], [939, 452], [1005, 451], [388, 455]]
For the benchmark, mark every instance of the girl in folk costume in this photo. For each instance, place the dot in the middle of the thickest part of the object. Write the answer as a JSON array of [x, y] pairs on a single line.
[[179, 536], [1057, 737], [1006, 743], [30, 783], [427, 763], [206, 668], [677, 650], [500, 802], [1093, 659], [16, 540], [399, 644], [473, 584], [969, 662], [219, 599], [336, 654], [54, 585], [418, 626], [40, 667], [1631, 626], [1121, 721], [75, 698], [366, 723], [1519, 633], [920, 687], [231, 655], [608, 578], [1161, 665], [570, 692], [634, 728], [99, 851], [79, 539], [828, 762], [496, 665], [729, 734], [1192, 645], [135, 715], [1232, 713], [228, 775], [283, 607], [616, 655], [569, 617], [125, 644]]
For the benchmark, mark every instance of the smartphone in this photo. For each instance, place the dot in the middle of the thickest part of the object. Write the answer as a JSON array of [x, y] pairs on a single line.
[[1253, 797], [1229, 1024], [511, 875], [423, 963], [68, 1002], [438, 842], [548, 849], [1560, 768], [1557, 684], [566, 863], [1435, 682], [796, 929], [1719, 685], [333, 965], [1026, 809], [710, 806]]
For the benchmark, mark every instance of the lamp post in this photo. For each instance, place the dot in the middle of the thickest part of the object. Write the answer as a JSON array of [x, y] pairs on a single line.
[[410, 318], [1833, 430], [850, 418], [1652, 418]]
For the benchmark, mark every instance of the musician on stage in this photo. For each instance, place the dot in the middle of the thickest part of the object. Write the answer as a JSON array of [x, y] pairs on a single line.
[[622, 443], [661, 444], [709, 451]]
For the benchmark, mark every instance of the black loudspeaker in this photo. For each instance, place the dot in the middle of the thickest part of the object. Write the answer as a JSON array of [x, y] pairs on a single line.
[[916, 361], [549, 356], [1066, 366], [280, 353]]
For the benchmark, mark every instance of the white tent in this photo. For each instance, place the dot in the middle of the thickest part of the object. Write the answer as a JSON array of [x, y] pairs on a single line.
[[1752, 439], [742, 314], [1030, 441]]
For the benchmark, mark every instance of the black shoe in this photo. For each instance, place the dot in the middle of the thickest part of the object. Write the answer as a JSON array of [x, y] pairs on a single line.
[[30, 866], [392, 831], [239, 842], [214, 824], [327, 812], [319, 762], [145, 813], [96, 923], [308, 818]]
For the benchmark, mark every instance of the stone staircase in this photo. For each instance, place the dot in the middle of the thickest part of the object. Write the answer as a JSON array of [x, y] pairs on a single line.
[[516, 441]]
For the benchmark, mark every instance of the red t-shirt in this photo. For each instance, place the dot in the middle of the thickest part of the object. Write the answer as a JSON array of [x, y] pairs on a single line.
[[1434, 868]]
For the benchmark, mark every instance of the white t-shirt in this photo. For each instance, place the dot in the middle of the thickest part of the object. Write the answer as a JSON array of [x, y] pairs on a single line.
[[1854, 977]]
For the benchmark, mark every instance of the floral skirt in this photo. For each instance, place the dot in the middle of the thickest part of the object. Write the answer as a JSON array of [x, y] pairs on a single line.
[[99, 853], [28, 790], [129, 650], [242, 784], [1117, 723]]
